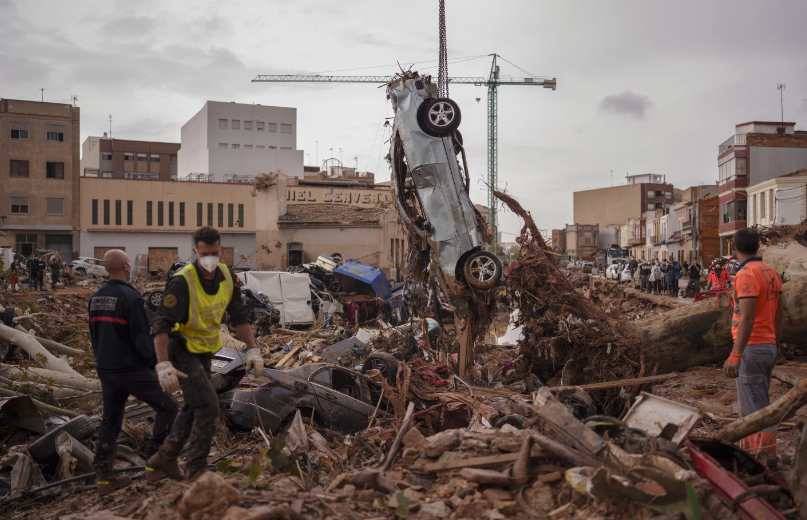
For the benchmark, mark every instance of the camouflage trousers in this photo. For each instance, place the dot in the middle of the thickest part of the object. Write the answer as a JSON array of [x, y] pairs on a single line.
[[199, 415]]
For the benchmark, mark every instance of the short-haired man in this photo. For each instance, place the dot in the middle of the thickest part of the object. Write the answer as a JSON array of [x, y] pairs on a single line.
[[124, 356], [756, 327], [186, 334]]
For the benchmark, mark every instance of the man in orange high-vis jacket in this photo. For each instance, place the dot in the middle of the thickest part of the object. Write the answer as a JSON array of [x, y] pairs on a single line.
[[756, 326], [719, 277]]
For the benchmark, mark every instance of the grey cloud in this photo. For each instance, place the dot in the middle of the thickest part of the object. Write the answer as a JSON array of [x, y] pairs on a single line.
[[627, 104], [131, 27]]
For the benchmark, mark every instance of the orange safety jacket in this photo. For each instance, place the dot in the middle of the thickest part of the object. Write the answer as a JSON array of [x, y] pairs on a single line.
[[719, 281]]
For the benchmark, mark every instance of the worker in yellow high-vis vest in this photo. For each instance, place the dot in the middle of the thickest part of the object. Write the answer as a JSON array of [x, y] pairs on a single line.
[[186, 335]]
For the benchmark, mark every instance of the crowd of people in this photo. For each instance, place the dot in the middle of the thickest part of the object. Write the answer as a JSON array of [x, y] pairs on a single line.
[[663, 276], [36, 268]]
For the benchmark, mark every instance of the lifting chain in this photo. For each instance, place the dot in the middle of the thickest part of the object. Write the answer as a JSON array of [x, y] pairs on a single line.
[[442, 75]]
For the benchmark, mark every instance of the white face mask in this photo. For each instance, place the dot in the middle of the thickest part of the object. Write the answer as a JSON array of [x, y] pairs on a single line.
[[209, 263]]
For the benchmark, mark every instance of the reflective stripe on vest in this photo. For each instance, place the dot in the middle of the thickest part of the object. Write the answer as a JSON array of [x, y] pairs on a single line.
[[205, 311]]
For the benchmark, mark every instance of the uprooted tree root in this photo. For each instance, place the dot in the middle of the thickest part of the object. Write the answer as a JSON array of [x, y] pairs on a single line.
[[563, 331]]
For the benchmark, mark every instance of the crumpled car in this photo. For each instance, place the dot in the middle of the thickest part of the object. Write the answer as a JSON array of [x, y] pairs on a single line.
[[431, 191]]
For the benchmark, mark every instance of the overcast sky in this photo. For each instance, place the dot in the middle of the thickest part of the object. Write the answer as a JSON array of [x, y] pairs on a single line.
[[642, 86]]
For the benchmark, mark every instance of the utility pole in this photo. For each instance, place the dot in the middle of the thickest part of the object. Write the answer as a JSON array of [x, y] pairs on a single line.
[[74, 99], [42, 90], [781, 88], [695, 221], [110, 126]]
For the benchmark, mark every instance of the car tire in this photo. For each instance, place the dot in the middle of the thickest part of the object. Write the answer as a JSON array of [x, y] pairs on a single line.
[[43, 449], [155, 300], [457, 139], [383, 362], [482, 270], [81, 270], [8, 316], [221, 383], [513, 420], [439, 117]]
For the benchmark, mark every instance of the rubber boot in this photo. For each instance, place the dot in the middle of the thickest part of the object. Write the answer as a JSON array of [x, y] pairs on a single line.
[[109, 482], [159, 467]]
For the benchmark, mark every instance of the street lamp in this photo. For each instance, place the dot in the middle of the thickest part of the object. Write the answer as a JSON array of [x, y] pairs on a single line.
[[781, 88]]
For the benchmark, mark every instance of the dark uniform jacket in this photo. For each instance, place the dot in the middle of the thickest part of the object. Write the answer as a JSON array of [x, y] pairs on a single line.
[[176, 299], [119, 329]]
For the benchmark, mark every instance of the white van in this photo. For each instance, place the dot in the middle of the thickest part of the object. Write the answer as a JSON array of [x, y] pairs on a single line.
[[290, 293]]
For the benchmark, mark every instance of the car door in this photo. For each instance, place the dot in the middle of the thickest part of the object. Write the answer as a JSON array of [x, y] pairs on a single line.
[[339, 394]]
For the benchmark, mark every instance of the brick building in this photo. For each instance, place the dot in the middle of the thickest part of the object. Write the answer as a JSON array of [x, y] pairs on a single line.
[[615, 205], [39, 177], [127, 159]]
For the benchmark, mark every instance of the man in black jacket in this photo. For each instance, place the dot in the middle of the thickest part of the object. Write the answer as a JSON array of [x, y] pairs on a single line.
[[694, 278], [125, 358]]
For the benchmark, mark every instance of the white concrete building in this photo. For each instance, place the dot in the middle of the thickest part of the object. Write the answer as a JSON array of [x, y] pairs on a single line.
[[233, 139], [778, 201]]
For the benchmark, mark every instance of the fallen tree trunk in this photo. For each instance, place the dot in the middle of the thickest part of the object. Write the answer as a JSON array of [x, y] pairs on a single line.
[[771, 415], [38, 353], [42, 406], [53, 346], [43, 374]]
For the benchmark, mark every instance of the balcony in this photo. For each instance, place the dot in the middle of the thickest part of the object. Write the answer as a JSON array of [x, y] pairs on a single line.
[[686, 227], [636, 241], [735, 140], [676, 236]]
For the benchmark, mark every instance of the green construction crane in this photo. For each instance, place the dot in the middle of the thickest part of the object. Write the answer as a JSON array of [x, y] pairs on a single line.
[[492, 82]]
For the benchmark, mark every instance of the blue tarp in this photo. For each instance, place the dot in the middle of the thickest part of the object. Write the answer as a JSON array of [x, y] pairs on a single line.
[[373, 276]]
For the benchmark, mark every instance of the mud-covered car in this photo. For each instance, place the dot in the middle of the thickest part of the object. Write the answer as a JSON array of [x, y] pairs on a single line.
[[339, 398], [431, 190]]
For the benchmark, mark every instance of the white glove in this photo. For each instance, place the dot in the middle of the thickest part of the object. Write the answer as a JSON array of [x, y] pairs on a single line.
[[254, 360], [168, 375]]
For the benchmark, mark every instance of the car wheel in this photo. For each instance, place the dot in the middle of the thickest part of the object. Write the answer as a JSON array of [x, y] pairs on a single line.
[[384, 363], [456, 139], [44, 448], [482, 270], [155, 299], [439, 117]]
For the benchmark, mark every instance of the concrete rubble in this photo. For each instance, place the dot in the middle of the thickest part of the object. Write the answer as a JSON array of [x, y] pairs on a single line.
[[584, 415]]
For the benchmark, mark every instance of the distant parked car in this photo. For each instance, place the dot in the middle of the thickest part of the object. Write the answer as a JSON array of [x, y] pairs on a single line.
[[612, 273], [625, 276], [86, 265]]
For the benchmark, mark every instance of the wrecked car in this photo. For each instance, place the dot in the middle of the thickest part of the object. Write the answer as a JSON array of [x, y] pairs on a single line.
[[431, 193], [260, 308], [339, 399]]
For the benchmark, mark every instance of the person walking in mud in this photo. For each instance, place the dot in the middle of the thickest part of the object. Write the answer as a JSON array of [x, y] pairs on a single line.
[[186, 334], [756, 327], [124, 353], [694, 283]]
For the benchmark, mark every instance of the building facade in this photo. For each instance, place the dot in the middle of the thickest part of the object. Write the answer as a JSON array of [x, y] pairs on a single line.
[[126, 159], [582, 240], [778, 201], [236, 141], [615, 205], [39, 177], [757, 151]]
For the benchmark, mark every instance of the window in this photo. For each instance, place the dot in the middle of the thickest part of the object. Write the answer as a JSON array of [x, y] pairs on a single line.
[[209, 213], [285, 129], [222, 124], [650, 207], [19, 205], [260, 147], [236, 124], [588, 240], [129, 212], [247, 125], [181, 213], [155, 158], [170, 213], [55, 133], [54, 206], [106, 156], [236, 146], [742, 206], [25, 244], [667, 195], [149, 221], [229, 215], [19, 131], [198, 214], [272, 147], [128, 156], [260, 126], [285, 147], [94, 212], [118, 216], [106, 212], [240, 215], [19, 168], [247, 147], [160, 213], [272, 127], [221, 215], [223, 145], [141, 157], [54, 170]]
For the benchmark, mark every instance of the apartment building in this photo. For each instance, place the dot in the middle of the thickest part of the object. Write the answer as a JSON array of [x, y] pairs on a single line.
[[778, 201], [613, 206], [226, 142], [127, 159], [582, 240], [39, 177], [758, 151]]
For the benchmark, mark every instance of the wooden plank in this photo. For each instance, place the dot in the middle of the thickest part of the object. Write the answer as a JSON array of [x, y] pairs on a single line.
[[791, 372], [473, 462], [161, 258], [99, 252], [290, 355], [629, 382]]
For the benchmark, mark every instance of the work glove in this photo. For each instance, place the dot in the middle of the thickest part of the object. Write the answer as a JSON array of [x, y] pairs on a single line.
[[254, 360], [168, 375], [731, 368]]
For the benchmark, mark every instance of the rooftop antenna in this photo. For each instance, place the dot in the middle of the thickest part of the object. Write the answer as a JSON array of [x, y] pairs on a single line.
[[357, 163], [781, 88], [74, 99], [43, 94], [110, 126], [340, 155]]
